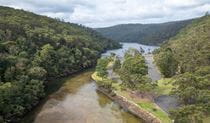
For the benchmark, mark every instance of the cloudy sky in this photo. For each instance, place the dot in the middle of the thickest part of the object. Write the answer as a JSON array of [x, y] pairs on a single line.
[[102, 13]]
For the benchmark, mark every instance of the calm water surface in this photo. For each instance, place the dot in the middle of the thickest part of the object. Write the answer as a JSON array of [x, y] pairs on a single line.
[[77, 101], [125, 46]]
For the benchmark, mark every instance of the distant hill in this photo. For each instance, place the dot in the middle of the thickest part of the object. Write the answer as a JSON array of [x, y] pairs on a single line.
[[150, 34]]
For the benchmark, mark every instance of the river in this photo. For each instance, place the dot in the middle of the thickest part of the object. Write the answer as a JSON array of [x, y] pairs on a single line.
[[77, 100]]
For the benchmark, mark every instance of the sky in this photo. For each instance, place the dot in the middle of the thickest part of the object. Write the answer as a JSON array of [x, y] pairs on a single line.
[[104, 13]]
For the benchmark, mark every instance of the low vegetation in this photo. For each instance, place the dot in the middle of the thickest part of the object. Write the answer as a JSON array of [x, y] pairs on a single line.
[[164, 86], [155, 110]]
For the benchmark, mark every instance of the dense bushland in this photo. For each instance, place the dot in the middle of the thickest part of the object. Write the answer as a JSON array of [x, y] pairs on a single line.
[[35, 48], [186, 58], [150, 34]]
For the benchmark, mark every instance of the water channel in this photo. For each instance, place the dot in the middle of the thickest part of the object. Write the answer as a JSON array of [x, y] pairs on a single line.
[[77, 100]]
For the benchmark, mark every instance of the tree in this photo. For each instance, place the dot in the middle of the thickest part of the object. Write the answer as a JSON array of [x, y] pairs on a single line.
[[134, 70], [47, 59], [117, 64], [167, 63], [34, 48], [101, 67], [37, 73], [192, 89], [188, 114]]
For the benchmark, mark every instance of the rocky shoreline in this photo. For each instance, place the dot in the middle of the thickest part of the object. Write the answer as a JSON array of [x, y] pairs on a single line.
[[130, 106]]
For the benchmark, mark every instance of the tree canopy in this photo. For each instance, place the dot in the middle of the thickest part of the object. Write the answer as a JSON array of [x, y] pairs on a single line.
[[186, 58], [149, 34], [34, 48]]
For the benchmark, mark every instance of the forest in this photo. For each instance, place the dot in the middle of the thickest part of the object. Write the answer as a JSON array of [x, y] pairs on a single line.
[[128, 77], [35, 49], [149, 34], [186, 59]]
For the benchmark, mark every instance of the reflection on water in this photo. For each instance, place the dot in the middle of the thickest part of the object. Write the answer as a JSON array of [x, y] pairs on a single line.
[[77, 101], [125, 46]]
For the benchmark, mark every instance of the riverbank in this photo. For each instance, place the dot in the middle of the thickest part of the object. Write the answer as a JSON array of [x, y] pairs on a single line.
[[78, 101], [141, 107], [51, 89], [130, 106]]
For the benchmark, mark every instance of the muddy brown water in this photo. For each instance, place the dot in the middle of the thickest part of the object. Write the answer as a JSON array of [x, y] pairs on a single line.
[[77, 101]]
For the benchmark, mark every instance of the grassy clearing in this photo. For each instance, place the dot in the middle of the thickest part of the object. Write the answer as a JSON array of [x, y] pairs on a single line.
[[96, 77], [110, 64], [164, 86], [206, 120], [155, 110], [116, 86]]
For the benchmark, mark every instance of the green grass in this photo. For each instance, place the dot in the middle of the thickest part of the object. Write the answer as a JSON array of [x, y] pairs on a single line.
[[96, 77], [206, 120], [116, 86], [164, 86], [152, 108]]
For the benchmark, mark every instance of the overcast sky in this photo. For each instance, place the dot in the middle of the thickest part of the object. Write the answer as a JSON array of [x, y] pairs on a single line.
[[102, 13]]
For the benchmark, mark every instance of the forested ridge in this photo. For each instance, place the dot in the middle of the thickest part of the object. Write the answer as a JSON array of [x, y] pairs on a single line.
[[186, 58], [34, 48], [149, 34]]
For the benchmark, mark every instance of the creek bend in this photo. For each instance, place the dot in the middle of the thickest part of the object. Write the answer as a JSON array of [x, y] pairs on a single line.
[[77, 101]]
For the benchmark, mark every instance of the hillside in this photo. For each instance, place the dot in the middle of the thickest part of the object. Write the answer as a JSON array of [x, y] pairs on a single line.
[[34, 49], [191, 46], [186, 58], [150, 34]]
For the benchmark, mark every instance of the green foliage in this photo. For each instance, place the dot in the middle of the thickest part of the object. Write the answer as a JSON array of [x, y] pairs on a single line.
[[150, 34], [191, 51], [134, 70], [134, 63], [101, 67], [105, 83], [34, 48], [188, 114], [151, 107], [167, 63], [46, 58], [190, 48], [117, 65], [37, 73], [192, 89]]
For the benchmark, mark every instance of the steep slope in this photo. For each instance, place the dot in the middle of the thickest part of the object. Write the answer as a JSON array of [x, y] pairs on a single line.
[[186, 58], [150, 34], [34, 48], [191, 47]]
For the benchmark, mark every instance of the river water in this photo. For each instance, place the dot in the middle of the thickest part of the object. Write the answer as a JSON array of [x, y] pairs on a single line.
[[77, 101]]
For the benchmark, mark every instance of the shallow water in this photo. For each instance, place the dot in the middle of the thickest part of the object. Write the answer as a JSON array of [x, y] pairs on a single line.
[[125, 46], [77, 101]]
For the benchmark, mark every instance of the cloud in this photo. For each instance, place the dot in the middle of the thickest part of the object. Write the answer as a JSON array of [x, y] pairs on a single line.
[[99, 13]]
